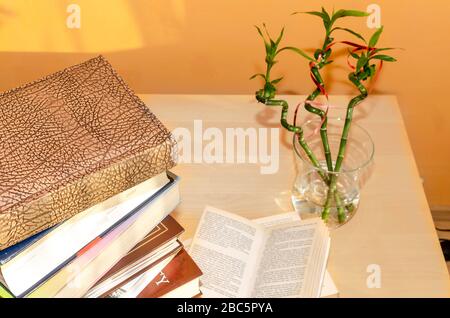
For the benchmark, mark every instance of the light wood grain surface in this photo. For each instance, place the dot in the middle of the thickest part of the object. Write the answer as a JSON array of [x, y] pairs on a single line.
[[392, 228]]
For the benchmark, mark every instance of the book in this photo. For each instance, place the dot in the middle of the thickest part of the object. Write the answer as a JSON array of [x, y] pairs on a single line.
[[99, 256], [72, 140], [35, 264], [242, 258], [158, 244], [328, 289], [178, 279]]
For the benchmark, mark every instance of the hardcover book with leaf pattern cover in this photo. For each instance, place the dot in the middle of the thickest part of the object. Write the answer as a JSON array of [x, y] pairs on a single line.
[[72, 140]]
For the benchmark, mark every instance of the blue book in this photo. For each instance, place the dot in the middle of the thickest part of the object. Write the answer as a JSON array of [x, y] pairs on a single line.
[[10, 252]]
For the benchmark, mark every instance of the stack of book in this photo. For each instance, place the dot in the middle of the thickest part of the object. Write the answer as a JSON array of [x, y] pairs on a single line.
[[86, 192]]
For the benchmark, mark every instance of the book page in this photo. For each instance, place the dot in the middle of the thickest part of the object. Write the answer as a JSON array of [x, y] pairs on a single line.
[[328, 286], [136, 285], [285, 258], [225, 248], [278, 219]]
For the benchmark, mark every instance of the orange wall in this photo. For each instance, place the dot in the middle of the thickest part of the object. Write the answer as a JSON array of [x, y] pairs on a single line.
[[210, 46]]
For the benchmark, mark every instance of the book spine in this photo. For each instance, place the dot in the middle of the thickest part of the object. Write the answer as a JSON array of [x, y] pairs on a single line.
[[61, 204]]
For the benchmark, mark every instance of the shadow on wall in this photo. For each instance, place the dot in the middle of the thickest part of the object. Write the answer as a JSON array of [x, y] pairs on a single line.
[[38, 39]]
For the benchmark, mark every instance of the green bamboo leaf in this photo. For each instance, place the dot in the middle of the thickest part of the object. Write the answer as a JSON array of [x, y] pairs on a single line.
[[296, 50], [374, 39], [347, 13], [272, 43], [260, 32], [361, 62], [354, 55], [383, 49], [280, 37], [265, 29], [266, 44], [350, 31], [275, 81], [258, 74], [323, 15], [382, 57], [316, 13], [326, 19]]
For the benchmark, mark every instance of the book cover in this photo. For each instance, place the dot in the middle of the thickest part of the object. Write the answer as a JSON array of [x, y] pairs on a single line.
[[69, 141], [181, 270]]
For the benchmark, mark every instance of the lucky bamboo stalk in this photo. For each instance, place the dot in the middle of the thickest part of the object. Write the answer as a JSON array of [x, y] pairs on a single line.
[[342, 146], [266, 95], [322, 57], [363, 71], [348, 119]]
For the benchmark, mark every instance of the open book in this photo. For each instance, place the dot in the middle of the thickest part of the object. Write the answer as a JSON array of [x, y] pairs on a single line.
[[243, 258]]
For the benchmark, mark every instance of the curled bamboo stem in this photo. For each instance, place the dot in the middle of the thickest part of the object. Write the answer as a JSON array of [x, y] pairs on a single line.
[[319, 112], [298, 131], [343, 143], [348, 119]]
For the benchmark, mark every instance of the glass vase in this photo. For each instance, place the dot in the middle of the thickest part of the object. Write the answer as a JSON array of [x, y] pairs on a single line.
[[318, 192]]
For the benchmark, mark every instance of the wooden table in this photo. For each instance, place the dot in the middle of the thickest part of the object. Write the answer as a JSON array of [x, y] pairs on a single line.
[[392, 227]]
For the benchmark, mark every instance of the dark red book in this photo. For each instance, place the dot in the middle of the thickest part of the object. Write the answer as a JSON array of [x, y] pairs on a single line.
[[179, 279]]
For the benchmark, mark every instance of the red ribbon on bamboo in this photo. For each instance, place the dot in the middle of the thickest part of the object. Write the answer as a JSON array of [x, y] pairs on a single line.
[[321, 87]]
